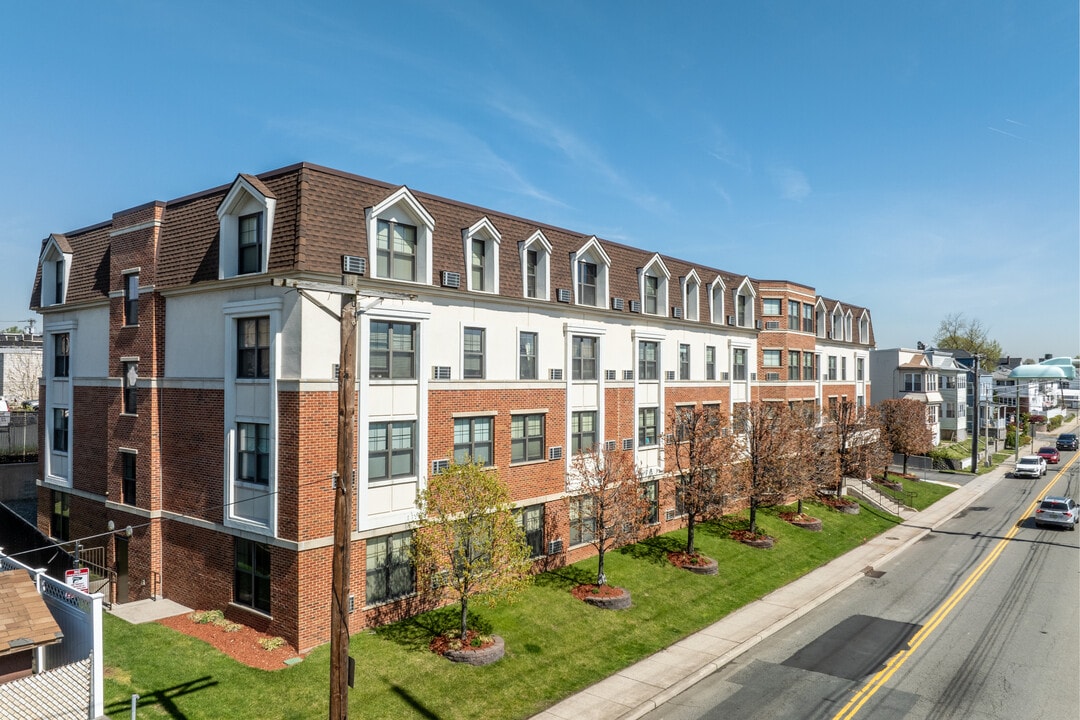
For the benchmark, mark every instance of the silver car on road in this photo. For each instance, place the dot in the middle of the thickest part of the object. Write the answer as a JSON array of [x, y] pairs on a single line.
[[1061, 511]]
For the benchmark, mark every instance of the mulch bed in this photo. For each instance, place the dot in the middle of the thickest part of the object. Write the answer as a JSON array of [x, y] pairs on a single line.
[[581, 592], [758, 540], [241, 645], [441, 644]]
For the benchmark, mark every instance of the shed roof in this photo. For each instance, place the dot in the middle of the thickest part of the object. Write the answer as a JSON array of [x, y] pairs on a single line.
[[25, 620]]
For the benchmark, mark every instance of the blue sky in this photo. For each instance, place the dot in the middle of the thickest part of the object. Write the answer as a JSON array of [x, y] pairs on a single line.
[[919, 159]]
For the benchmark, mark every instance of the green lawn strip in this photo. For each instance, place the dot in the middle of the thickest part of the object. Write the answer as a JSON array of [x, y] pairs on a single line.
[[556, 645], [919, 494]]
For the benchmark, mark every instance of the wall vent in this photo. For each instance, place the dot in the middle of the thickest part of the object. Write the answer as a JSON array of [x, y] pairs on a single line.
[[676, 312], [617, 304], [609, 375], [635, 306], [562, 295], [772, 325], [440, 372], [555, 453], [555, 374], [772, 377], [353, 264], [451, 279], [352, 603], [628, 444], [335, 370], [554, 547], [437, 466], [669, 515]]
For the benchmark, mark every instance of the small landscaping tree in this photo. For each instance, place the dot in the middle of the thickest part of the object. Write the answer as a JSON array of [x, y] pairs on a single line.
[[852, 429], [468, 543], [903, 427], [610, 485], [770, 461], [703, 453], [815, 458]]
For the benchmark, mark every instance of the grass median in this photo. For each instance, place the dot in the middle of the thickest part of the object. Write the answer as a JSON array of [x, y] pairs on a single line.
[[556, 645]]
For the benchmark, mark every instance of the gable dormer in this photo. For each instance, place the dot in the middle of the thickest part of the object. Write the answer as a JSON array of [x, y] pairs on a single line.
[[821, 316], [246, 226], [399, 231], [55, 263], [590, 267], [653, 287], [535, 256], [481, 243], [716, 302], [864, 328], [848, 317], [744, 296], [690, 286], [837, 323]]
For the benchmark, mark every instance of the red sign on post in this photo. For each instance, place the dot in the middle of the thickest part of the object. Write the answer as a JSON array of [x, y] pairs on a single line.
[[79, 578]]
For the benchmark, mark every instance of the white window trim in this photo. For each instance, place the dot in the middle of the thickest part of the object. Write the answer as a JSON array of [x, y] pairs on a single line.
[[690, 285], [483, 230], [593, 252], [745, 288], [539, 242], [657, 269], [402, 204], [241, 200], [51, 253], [717, 289]]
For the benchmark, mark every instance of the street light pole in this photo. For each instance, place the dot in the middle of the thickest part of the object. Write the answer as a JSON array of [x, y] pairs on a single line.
[[975, 423]]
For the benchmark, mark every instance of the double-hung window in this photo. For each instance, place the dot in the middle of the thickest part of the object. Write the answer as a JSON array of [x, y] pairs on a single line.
[[770, 306], [474, 440], [527, 356], [60, 429], [127, 485], [843, 367], [61, 355], [131, 299], [526, 438], [532, 262], [582, 520], [253, 453], [651, 490], [808, 366], [582, 431], [586, 283], [479, 255], [395, 251], [531, 520], [770, 358], [738, 364], [473, 353], [391, 450], [392, 350], [253, 347], [832, 367], [131, 390], [794, 363], [710, 362], [249, 244], [584, 357], [652, 292], [647, 426], [648, 361], [251, 581], [808, 318], [792, 315], [684, 362], [389, 572], [60, 523], [860, 369]]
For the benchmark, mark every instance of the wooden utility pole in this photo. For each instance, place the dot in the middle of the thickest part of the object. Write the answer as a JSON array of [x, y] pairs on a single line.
[[339, 603]]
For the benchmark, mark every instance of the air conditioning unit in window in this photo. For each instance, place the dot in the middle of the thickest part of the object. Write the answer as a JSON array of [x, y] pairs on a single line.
[[555, 374], [730, 319], [610, 446], [676, 312], [440, 372], [627, 374], [772, 325], [669, 374], [669, 439], [555, 453], [617, 304], [353, 265], [753, 377], [334, 370], [562, 295], [635, 306], [609, 375], [725, 375], [451, 279], [352, 603], [437, 466], [554, 547], [669, 515], [758, 324], [772, 376], [628, 444]]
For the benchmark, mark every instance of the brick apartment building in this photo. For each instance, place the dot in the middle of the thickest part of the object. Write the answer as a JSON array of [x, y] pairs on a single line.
[[189, 387]]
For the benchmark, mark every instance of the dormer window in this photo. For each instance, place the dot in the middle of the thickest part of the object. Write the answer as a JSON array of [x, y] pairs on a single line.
[[847, 326], [744, 304], [535, 256], [820, 319], [590, 266], [864, 330], [652, 290], [716, 302], [481, 243], [55, 264], [246, 217], [654, 287], [399, 233], [837, 325], [691, 296]]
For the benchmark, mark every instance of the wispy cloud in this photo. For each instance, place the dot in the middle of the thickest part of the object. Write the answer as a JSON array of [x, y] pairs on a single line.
[[791, 183], [724, 149]]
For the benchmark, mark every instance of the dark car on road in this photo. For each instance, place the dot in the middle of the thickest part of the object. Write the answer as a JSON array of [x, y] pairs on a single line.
[[1050, 455], [1067, 441]]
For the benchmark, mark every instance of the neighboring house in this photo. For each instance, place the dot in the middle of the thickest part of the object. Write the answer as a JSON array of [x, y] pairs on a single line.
[[26, 626], [190, 388], [953, 387], [991, 413], [904, 373], [20, 367]]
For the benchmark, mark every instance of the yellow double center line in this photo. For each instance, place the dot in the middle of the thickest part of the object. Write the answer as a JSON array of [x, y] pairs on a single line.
[[897, 661]]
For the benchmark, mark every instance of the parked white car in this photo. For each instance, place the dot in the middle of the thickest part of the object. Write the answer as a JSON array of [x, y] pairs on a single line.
[[1031, 466]]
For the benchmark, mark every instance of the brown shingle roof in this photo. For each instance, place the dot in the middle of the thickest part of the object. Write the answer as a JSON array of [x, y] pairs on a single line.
[[25, 620]]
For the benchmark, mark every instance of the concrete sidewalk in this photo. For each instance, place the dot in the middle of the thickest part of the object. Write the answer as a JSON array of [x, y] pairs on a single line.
[[640, 688]]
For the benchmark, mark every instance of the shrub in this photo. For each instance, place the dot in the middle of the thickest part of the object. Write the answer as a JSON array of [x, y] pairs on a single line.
[[273, 643]]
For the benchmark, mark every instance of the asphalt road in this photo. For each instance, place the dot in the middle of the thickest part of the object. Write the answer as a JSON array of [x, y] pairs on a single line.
[[979, 620]]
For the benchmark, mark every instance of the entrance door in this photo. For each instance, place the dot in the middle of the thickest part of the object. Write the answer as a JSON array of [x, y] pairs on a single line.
[[121, 569]]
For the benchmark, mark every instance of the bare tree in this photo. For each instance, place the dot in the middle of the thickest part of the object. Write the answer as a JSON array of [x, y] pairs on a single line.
[[903, 427], [768, 431], [816, 458], [703, 454], [958, 333], [21, 373], [618, 511], [854, 431], [468, 543]]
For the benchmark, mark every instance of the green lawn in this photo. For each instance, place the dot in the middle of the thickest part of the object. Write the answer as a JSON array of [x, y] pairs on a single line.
[[556, 645], [917, 494]]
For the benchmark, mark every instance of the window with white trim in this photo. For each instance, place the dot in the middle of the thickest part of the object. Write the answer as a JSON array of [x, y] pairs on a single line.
[[399, 237], [648, 360], [582, 431], [583, 357], [246, 220], [253, 347], [684, 361], [395, 251], [482, 252], [582, 520], [391, 450], [253, 453], [392, 350], [738, 363], [793, 315], [527, 350], [531, 520], [249, 244], [61, 355], [389, 572], [590, 267], [691, 297], [473, 353], [710, 362], [647, 426], [535, 257], [716, 302]]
